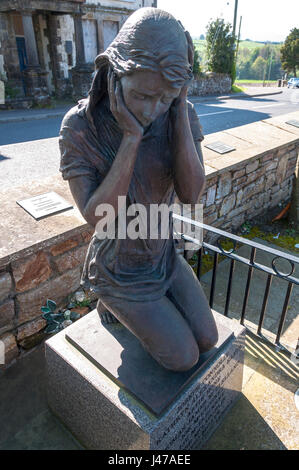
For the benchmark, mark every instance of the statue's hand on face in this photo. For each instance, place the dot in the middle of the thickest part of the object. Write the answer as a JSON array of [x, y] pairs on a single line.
[[147, 95], [127, 122]]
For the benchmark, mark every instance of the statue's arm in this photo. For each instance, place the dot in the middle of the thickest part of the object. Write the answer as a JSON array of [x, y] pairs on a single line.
[[87, 194], [189, 175], [116, 183]]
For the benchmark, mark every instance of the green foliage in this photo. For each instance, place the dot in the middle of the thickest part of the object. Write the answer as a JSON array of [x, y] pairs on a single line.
[[200, 46], [290, 52], [249, 65], [11, 92], [220, 47], [259, 68], [237, 89], [287, 240], [55, 321], [248, 52], [84, 303], [196, 64]]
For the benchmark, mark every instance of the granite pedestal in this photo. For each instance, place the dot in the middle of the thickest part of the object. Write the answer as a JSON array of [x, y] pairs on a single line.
[[112, 395]]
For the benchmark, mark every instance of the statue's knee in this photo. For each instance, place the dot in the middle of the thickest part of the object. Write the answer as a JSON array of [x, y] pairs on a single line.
[[209, 342], [185, 359]]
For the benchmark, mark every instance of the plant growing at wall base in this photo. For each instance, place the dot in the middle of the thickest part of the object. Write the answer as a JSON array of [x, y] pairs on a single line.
[[57, 321]]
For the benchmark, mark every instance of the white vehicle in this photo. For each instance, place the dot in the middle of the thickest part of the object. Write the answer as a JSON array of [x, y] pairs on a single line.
[[293, 83]]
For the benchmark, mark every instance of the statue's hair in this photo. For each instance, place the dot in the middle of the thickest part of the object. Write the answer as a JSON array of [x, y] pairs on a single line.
[[151, 39]]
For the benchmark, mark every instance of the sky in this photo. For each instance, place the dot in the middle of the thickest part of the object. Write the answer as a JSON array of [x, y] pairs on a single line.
[[262, 20]]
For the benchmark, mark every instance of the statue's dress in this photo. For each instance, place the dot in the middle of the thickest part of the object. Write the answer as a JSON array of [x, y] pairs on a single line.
[[141, 269]]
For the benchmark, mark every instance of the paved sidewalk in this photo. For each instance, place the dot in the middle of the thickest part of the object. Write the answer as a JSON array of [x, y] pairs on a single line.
[[18, 115]]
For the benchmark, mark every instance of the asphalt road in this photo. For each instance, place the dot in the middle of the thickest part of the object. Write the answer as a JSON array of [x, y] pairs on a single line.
[[216, 116], [29, 150]]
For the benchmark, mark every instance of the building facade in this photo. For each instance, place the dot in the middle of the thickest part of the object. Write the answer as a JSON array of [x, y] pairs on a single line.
[[47, 47]]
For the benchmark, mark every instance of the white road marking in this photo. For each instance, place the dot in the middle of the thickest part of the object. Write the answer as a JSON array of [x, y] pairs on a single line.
[[219, 112], [267, 106]]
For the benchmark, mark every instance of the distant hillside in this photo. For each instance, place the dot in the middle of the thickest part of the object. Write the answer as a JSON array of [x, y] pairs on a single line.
[[253, 44], [256, 60], [247, 43]]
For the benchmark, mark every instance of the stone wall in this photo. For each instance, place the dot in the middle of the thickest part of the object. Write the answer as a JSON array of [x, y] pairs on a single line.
[[240, 185], [247, 190], [211, 84], [26, 284]]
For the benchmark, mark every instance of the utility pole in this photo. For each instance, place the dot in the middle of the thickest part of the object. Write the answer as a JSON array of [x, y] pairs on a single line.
[[239, 37], [270, 66], [234, 66], [235, 17]]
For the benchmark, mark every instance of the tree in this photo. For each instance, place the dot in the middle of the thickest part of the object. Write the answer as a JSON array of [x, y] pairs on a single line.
[[202, 37], [290, 52], [269, 53], [220, 44], [196, 63], [254, 54], [259, 68]]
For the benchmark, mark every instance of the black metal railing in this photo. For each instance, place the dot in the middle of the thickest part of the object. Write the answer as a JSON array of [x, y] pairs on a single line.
[[272, 272]]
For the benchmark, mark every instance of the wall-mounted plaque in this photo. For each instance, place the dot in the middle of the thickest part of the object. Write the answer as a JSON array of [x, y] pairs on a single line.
[[44, 204], [293, 122], [220, 147]]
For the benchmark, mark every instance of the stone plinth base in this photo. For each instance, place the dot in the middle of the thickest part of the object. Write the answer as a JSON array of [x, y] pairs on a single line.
[[102, 414], [82, 80]]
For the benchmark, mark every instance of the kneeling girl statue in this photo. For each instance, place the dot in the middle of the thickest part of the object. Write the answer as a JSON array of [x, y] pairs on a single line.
[[137, 136]]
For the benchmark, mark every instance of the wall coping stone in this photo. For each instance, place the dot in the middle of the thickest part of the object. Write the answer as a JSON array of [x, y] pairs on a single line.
[[21, 234], [251, 141]]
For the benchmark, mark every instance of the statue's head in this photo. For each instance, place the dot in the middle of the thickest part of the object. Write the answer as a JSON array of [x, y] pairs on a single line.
[[151, 57]]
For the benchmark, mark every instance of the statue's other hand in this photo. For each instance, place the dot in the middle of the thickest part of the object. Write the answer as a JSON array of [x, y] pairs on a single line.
[[127, 122], [180, 103], [179, 110]]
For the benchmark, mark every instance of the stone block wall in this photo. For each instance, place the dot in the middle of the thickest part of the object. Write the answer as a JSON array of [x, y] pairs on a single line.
[[210, 84], [249, 188], [26, 284]]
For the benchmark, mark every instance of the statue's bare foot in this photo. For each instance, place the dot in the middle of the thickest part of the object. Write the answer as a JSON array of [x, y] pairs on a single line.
[[105, 315]]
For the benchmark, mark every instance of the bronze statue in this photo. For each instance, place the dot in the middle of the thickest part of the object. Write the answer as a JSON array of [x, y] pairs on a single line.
[[138, 137]]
